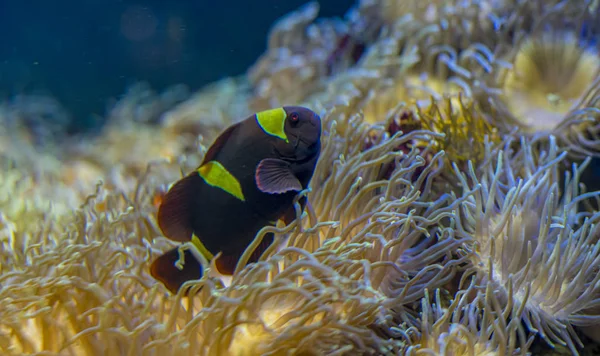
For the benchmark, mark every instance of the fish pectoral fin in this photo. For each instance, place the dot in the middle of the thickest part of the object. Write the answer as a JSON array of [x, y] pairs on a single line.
[[225, 264], [275, 176], [227, 261], [165, 270], [176, 211]]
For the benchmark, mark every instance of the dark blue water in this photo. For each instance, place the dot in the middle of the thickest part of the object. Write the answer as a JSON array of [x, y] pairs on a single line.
[[83, 52]]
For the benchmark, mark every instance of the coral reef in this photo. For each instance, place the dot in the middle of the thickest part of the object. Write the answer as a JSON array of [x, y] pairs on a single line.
[[452, 211]]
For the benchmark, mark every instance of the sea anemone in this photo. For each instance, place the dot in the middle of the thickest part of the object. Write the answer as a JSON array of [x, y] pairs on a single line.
[[416, 66], [296, 302], [334, 282], [553, 76], [299, 56], [528, 239], [467, 133], [397, 214], [130, 140], [42, 118], [460, 23], [474, 323], [74, 294], [207, 112], [384, 259]]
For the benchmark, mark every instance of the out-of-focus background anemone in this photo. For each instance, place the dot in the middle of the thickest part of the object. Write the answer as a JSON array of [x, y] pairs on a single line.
[[453, 210]]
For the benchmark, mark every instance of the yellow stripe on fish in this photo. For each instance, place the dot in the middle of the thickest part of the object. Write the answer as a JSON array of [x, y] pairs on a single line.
[[216, 175], [201, 248], [273, 122]]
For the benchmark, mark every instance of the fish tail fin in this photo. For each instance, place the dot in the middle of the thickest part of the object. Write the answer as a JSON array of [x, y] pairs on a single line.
[[164, 269], [175, 214]]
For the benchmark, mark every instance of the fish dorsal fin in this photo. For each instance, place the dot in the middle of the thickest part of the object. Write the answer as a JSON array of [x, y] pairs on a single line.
[[272, 122], [175, 214], [219, 143], [275, 176], [164, 270]]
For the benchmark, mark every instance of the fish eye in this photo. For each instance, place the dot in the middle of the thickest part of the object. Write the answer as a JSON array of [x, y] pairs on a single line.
[[294, 118]]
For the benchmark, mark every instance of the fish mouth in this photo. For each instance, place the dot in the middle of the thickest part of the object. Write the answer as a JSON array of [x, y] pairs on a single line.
[[295, 141], [304, 140], [307, 145]]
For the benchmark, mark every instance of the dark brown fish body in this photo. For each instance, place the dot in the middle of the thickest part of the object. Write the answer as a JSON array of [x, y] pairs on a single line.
[[231, 219], [263, 174]]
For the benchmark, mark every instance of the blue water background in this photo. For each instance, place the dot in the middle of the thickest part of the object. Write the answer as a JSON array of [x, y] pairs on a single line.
[[85, 52]]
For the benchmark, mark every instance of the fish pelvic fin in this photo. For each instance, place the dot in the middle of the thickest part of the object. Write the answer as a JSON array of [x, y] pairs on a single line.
[[227, 261], [173, 275]]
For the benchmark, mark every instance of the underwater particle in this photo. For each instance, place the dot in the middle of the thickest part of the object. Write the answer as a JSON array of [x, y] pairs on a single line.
[[530, 241], [552, 76], [138, 23], [257, 165]]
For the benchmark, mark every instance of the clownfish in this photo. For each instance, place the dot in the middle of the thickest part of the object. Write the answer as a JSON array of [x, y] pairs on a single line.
[[248, 179]]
